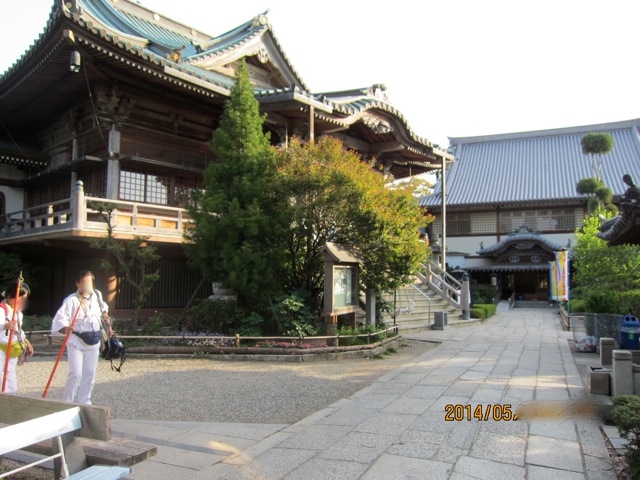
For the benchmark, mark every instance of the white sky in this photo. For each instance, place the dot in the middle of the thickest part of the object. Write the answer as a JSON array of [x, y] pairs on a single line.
[[453, 67]]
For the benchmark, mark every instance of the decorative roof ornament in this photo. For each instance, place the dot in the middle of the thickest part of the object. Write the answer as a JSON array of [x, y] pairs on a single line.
[[624, 228], [377, 124], [260, 20]]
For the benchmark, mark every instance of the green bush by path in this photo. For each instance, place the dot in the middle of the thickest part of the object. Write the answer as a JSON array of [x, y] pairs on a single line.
[[613, 301], [489, 308], [478, 313], [626, 414]]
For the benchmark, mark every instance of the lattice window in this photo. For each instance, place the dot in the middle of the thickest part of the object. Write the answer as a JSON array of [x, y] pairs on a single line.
[[542, 220], [132, 186], [153, 187], [458, 224], [95, 182]]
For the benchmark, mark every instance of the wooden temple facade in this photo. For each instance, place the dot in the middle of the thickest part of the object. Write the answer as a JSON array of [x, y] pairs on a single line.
[[511, 202], [116, 102]]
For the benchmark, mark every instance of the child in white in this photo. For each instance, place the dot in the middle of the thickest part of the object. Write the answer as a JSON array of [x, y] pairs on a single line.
[[82, 356], [18, 339]]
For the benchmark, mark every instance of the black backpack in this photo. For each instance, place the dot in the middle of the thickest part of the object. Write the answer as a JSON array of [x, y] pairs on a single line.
[[114, 349]]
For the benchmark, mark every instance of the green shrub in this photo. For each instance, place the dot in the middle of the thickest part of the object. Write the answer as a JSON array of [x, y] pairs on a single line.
[[220, 316], [577, 305], [36, 322], [478, 313], [251, 326], [159, 323], [626, 414], [489, 308], [294, 316], [483, 294], [613, 301]]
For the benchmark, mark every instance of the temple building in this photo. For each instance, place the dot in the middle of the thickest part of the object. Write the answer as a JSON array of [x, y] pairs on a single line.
[[511, 201], [115, 102]]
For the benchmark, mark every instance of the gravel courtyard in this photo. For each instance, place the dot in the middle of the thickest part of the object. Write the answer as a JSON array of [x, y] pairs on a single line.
[[209, 390]]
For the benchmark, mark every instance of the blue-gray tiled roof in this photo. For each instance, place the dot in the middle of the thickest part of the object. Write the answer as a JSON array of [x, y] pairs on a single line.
[[536, 166]]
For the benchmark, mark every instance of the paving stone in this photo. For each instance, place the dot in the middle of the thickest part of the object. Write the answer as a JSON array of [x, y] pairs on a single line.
[[591, 439], [554, 453], [386, 423], [450, 454], [563, 429], [599, 468], [499, 448], [323, 469], [415, 444], [487, 396], [425, 391], [359, 447], [275, 463], [536, 472], [408, 406], [316, 437], [348, 416], [480, 469], [393, 466]]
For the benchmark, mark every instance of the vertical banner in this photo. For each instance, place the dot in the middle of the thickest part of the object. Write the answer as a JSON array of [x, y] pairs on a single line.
[[560, 277], [553, 285]]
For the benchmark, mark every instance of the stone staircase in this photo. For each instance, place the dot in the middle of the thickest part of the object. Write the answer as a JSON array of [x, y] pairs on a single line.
[[414, 310]]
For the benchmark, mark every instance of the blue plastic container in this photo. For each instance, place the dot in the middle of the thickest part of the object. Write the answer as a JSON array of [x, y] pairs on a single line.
[[630, 333]]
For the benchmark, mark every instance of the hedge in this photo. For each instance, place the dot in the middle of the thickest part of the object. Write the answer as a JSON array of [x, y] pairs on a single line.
[[489, 308], [612, 301], [577, 305], [480, 313], [626, 414]]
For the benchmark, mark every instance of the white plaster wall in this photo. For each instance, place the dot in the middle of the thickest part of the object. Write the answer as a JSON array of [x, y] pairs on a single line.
[[14, 197]]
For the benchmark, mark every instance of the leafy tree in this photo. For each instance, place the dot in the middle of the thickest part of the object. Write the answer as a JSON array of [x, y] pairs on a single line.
[[238, 218], [597, 145], [10, 267], [335, 197], [602, 271], [600, 195], [133, 259]]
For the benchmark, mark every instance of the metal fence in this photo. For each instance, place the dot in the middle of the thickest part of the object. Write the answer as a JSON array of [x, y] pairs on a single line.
[[598, 325]]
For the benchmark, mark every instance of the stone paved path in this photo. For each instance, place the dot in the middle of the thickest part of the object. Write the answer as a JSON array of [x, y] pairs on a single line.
[[396, 428]]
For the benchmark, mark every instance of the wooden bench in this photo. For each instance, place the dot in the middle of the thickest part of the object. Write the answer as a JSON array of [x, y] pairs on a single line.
[[53, 427], [90, 444]]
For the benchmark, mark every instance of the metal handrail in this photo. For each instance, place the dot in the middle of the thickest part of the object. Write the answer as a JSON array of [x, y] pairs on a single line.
[[512, 300], [428, 298]]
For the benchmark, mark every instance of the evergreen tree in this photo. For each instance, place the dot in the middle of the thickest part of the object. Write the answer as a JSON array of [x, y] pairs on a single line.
[[237, 216]]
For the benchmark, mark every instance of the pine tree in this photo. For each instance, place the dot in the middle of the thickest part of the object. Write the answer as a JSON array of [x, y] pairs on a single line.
[[235, 239]]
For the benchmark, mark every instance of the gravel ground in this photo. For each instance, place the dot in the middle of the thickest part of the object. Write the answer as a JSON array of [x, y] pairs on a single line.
[[209, 390]]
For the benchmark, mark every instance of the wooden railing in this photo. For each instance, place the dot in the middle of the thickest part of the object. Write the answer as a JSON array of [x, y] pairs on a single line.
[[80, 213]]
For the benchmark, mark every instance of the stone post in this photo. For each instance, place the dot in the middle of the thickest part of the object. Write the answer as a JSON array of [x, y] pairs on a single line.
[[606, 351], [465, 298], [622, 373], [371, 307]]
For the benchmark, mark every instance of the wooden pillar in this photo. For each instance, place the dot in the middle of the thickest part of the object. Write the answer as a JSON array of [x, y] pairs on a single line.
[[113, 164], [312, 123], [443, 242]]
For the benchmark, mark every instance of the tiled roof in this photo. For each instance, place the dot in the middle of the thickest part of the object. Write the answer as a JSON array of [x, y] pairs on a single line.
[[538, 166], [523, 236]]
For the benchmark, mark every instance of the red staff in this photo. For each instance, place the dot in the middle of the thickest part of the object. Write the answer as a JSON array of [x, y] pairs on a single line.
[[64, 344], [13, 318]]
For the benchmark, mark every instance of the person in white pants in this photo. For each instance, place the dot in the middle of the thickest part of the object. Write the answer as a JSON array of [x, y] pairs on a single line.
[[19, 342], [83, 346]]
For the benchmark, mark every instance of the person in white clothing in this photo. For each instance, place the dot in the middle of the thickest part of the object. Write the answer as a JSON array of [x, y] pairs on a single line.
[[83, 346], [19, 343]]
